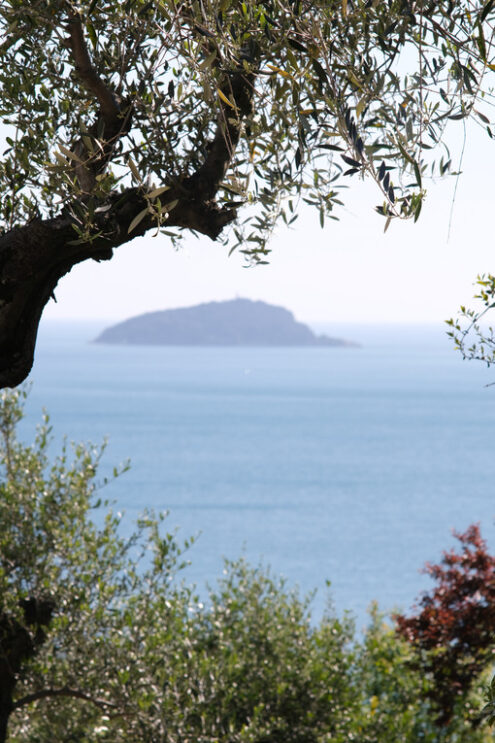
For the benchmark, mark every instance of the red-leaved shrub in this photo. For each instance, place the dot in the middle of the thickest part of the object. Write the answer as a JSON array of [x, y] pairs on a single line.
[[454, 627]]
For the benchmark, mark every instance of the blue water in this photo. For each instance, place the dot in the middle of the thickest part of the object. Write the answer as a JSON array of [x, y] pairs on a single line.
[[351, 465]]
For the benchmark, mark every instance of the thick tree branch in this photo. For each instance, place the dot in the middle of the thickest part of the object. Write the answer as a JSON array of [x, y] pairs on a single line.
[[88, 74], [116, 120], [35, 257], [65, 691], [18, 644], [239, 89]]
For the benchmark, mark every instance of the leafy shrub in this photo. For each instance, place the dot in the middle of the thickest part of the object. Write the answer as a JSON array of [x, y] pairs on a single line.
[[99, 641], [453, 628]]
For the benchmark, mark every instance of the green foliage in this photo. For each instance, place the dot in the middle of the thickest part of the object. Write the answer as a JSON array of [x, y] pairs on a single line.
[[125, 652], [340, 89], [472, 336], [488, 711], [398, 694], [260, 672], [98, 588]]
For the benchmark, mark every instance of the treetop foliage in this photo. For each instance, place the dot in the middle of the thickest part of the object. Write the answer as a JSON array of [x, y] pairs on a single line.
[[265, 103], [218, 117]]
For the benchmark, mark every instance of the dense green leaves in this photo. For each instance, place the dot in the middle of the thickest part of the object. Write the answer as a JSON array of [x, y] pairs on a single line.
[[377, 79], [244, 112], [83, 576], [115, 648]]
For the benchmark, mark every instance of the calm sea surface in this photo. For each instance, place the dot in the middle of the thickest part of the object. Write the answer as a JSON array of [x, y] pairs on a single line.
[[351, 465]]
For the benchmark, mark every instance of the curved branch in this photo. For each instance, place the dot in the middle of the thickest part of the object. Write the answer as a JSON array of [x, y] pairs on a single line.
[[116, 121], [63, 692], [88, 74], [222, 148], [35, 257], [238, 89]]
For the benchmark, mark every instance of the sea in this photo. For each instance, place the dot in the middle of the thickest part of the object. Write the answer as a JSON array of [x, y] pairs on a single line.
[[344, 465]]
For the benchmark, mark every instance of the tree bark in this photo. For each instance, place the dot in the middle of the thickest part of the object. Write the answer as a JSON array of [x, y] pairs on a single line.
[[17, 644], [5, 712], [35, 257]]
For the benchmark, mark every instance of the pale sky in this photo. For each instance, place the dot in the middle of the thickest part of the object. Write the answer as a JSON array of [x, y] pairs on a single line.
[[349, 272]]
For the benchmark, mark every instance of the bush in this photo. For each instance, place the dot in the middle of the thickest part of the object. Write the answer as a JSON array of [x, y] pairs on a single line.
[[452, 630], [99, 641]]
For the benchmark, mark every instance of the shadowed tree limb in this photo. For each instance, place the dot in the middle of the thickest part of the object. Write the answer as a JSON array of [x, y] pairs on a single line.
[[238, 89], [115, 118], [18, 644], [35, 257], [88, 74], [63, 692]]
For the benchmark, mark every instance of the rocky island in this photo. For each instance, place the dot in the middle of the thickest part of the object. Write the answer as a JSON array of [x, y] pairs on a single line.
[[237, 322]]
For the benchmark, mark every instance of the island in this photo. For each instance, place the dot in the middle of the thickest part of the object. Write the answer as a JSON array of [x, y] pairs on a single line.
[[237, 322]]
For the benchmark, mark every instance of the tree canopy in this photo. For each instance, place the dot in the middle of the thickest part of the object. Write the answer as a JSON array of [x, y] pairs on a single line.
[[215, 116]]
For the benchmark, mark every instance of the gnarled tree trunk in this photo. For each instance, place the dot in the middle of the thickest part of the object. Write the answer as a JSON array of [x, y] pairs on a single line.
[[17, 644], [34, 258]]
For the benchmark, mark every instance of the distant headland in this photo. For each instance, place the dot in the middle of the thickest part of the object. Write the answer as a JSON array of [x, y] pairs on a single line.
[[237, 322]]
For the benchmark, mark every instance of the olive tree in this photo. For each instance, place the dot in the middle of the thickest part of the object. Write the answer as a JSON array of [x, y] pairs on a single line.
[[83, 609], [212, 116], [100, 641]]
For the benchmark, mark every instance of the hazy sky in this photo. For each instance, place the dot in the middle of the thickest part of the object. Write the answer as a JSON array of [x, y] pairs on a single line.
[[349, 272]]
